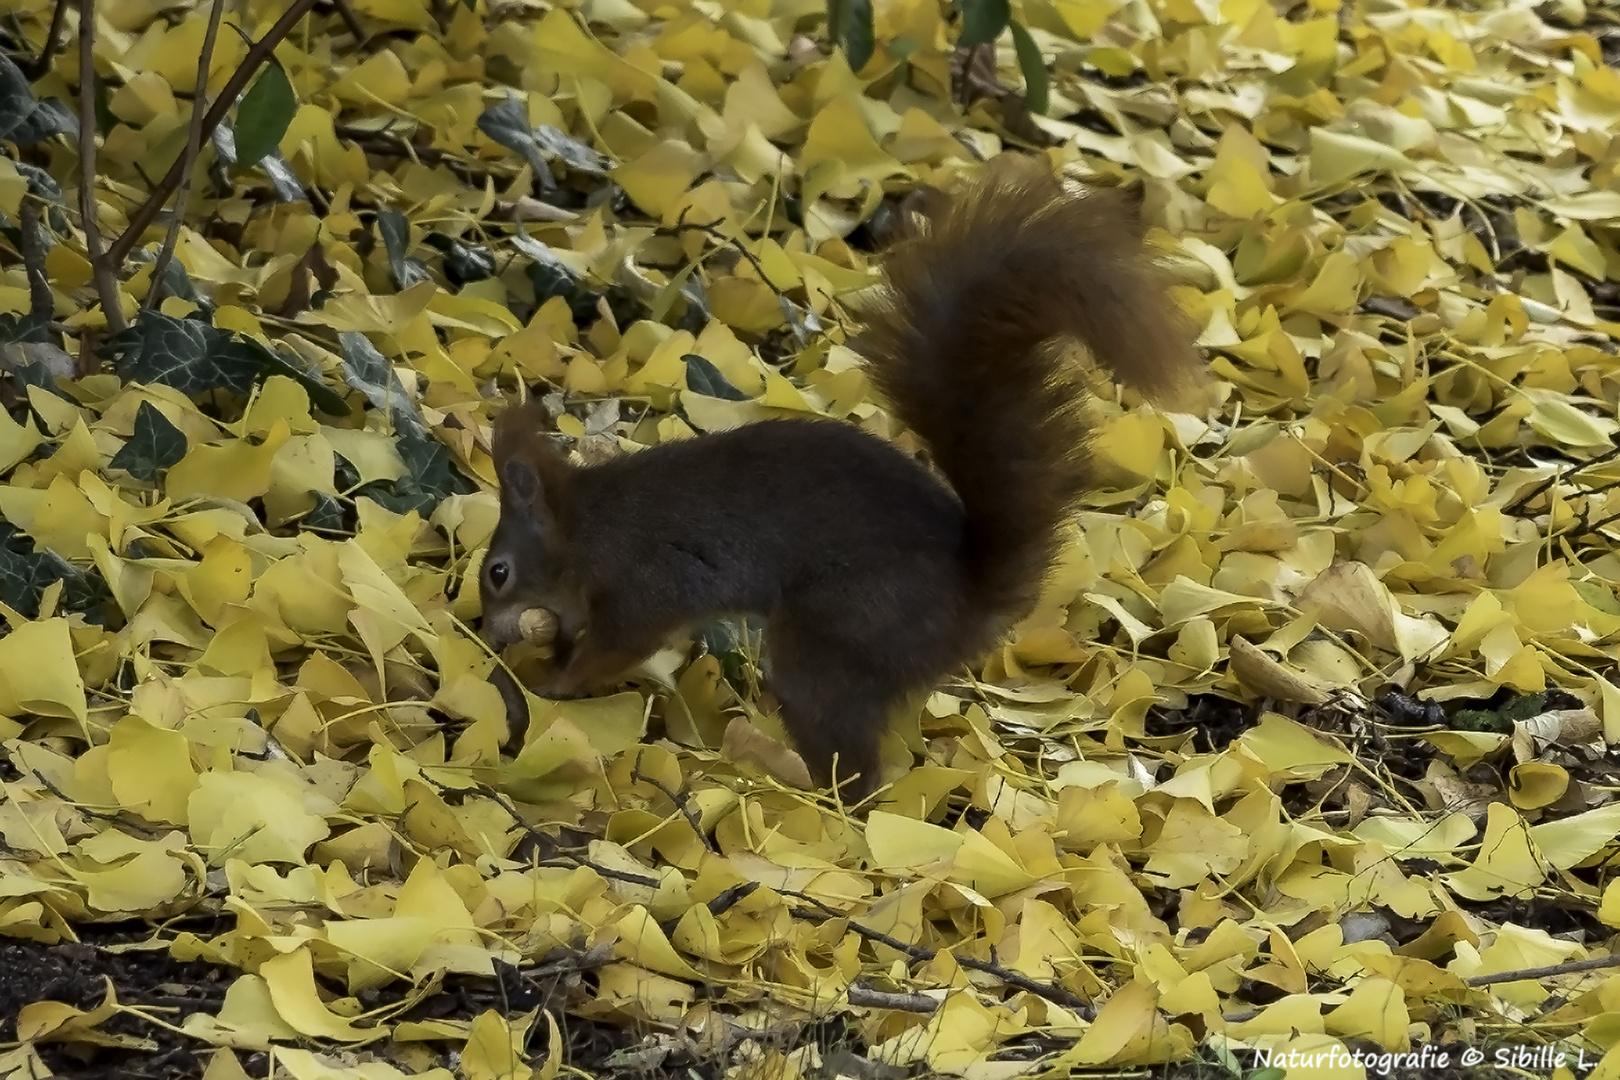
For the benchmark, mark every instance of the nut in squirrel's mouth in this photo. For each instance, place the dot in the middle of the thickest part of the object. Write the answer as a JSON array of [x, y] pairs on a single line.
[[537, 650], [538, 626]]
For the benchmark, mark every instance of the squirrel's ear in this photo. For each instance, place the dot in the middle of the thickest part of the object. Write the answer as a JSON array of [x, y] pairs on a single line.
[[532, 471], [519, 482]]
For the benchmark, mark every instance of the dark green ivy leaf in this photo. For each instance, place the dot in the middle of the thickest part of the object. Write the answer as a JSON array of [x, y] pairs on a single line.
[[368, 371], [1037, 84], [190, 355], [264, 114], [733, 640], [430, 476], [328, 516], [16, 329], [983, 21], [176, 282], [570, 151], [396, 235], [36, 373], [155, 446], [24, 120], [26, 573], [463, 262], [196, 357], [274, 362], [850, 23], [42, 185], [285, 182], [702, 377], [507, 122]]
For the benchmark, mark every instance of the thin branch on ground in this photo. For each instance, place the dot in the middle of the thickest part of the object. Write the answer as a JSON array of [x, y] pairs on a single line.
[[387, 142], [1560, 474], [350, 20], [1568, 968], [920, 953], [923, 954], [47, 50], [32, 246], [257, 54], [1548, 971], [865, 997], [189, 158], [106, 279], [562, 857], [679, 799]]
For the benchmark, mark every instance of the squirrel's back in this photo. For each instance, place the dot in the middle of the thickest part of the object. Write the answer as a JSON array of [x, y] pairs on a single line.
[[966, 349]]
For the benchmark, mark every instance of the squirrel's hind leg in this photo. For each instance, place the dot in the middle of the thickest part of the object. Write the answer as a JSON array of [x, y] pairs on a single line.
[[835, 703]]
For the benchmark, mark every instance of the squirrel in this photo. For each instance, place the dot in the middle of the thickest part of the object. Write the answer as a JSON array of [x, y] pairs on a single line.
[[875, 577]]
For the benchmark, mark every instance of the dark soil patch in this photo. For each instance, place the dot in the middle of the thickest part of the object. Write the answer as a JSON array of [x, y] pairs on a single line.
[[77, 974]]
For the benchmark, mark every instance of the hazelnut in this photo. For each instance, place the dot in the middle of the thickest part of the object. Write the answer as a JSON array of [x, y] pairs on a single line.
[[538, 626]]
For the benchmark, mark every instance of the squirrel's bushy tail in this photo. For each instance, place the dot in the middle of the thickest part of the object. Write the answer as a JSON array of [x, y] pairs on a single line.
[[963, 349]]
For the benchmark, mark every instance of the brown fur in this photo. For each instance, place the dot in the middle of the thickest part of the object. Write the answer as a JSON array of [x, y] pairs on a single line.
[[875, 578]]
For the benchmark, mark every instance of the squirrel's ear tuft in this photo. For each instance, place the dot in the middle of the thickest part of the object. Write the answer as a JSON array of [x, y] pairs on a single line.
[[531, 469]]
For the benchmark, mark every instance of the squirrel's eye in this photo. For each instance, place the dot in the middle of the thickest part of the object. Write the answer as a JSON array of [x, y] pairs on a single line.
[[498, 573]]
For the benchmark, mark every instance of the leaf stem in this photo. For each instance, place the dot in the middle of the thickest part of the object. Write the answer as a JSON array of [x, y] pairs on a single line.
[[42, 62], [189, 158], [106, 280]]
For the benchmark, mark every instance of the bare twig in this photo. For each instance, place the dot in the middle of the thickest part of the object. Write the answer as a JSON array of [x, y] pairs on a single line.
[[564, 857], [924, 954], [47, 50], [679, 799], [127, 821], [257, 53], [1560, 474], [41, 304], [1568, 968], [346, 13], [106, 280], [387, 142], [713, 232], [920, 953], [1599, 523], [867, 998], [718, 905], [189, 158]]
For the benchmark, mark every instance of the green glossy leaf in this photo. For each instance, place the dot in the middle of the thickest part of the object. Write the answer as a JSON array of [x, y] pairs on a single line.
[[190, 355], [702, 377], [850, 22], [24, 120], [368, 371], [264, 114], [983, 21], [1037, 80], [25, 573], [396, 236], [155, 446]]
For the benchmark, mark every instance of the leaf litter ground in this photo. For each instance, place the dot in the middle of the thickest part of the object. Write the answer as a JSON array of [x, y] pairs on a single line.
[[1309, 745]]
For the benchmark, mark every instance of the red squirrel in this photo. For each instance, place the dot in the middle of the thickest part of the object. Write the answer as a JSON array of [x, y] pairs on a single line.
[[876, 575]]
